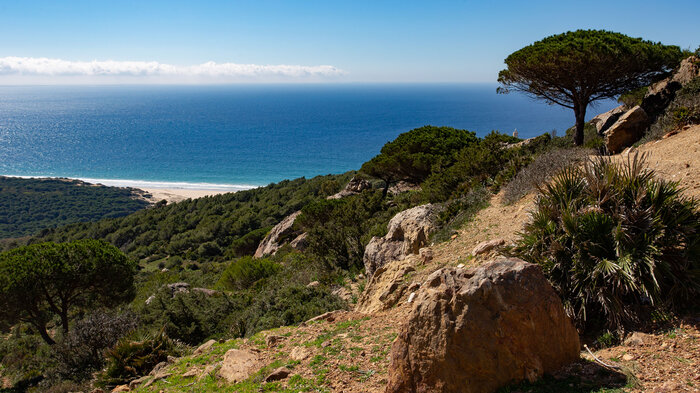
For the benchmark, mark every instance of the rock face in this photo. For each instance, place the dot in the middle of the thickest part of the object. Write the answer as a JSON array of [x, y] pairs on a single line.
[[408, 231], [401, 187], [603, 121], [663, 92], [627, 130], [238, 365], [277, 236], [386, 286], [476, 330], [354, 186]]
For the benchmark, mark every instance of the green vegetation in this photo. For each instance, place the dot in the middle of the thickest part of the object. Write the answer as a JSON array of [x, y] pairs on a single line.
[[577, 68], [615, 242], [29, 205], [46, 280], [182, 229]]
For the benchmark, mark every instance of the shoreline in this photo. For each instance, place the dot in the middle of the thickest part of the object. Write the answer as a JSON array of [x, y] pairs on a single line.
[[159, 190]]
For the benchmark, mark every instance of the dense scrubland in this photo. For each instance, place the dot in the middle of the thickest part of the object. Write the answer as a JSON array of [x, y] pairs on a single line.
[[619, 246]]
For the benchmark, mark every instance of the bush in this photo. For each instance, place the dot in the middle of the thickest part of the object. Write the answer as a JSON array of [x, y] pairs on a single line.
[[288, 305], [131, 359], [245, 272], [192, 317], [248, 243], [615, 242], [543, 167], [81, 352]]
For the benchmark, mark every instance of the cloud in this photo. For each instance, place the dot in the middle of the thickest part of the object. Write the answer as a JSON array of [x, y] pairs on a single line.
[[45, 67]]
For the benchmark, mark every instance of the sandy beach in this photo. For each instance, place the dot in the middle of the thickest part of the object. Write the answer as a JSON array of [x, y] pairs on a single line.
[[178, 194]]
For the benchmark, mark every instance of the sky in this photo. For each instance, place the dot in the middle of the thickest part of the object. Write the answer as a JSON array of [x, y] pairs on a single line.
[[303, 41]]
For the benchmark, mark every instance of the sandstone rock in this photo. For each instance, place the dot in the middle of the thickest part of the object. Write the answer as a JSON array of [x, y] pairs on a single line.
[[663, 92], [386, 286], [479, 329], [603, 121], [95, 390], [273, 340], [487, 246], [426, 254], [313, 284], [329, 316], [277, 236], [178, 287], [159, 368], [401, 187], [278, 374], [635, 339], [121, 388], [300, 242], [408, 231], [343, 293], [411, 297], [299, 353], [136, 382], [204, 348], [627, 130], [354, 186], [238, 365], [208, 370], [193, 372], [206, 291]]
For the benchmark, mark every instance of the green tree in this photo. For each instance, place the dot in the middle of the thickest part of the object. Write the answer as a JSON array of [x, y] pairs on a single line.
[[577, 68], [415, 154], [41, 281]]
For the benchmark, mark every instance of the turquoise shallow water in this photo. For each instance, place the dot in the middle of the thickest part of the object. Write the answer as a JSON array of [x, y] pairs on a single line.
[[228, 136]]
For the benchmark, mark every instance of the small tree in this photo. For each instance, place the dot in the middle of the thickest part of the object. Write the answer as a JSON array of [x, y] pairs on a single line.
[[415, 154], [41, 281], [577, 68]]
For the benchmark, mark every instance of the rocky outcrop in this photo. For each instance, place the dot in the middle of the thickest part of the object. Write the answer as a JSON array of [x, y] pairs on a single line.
[[402, 186], [476, 330], [279, 234], [408, 231], [354, 186], [238, 365], [660, 94], [603, 121], [627, 130], [386, 286]]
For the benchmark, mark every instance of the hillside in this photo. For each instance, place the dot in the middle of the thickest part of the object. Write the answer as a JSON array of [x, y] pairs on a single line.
[[348, 351], [28, 206]]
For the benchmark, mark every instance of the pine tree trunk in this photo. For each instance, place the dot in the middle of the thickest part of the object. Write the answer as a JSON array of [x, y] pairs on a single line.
[[580, 112]]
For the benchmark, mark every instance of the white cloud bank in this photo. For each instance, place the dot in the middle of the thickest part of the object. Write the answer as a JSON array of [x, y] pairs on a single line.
[[32, 68]]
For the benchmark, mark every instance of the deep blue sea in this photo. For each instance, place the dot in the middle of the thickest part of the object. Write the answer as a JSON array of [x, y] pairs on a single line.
[[243, 135]]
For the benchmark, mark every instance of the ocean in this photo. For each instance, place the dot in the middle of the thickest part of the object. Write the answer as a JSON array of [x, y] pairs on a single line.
[[239, 136]]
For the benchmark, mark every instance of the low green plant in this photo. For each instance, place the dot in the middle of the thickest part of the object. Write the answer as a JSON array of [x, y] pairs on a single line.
[[131, 359], [245, 272], [615, 241]]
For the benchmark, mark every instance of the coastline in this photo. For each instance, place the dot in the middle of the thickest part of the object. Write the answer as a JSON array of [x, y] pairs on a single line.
[[159, 190]]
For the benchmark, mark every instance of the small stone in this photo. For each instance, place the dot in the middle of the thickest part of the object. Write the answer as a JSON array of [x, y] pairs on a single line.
[[121, 388], [460, 266], [193, 372], [453, 236], [278, 374], [313, 284], [627, 357], [411, 297], [635, 339], [273, 340], [299, 353], [204, 348]]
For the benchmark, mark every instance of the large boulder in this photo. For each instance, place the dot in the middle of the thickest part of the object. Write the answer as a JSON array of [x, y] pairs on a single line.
[[627, 130], [473, 331], [386, 286], [408, 231], [663, 92], [238, 365], [354, 186], [603, 121], [279, 234]]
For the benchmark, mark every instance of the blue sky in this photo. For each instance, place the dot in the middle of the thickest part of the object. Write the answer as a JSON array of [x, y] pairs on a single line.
[[359, 41]]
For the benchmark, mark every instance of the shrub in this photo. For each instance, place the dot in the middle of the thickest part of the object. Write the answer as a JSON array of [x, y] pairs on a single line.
[[131, 359], [615, 242], [245, 272], [543, 167], [192, 317], [248, 243], [81, 351]]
